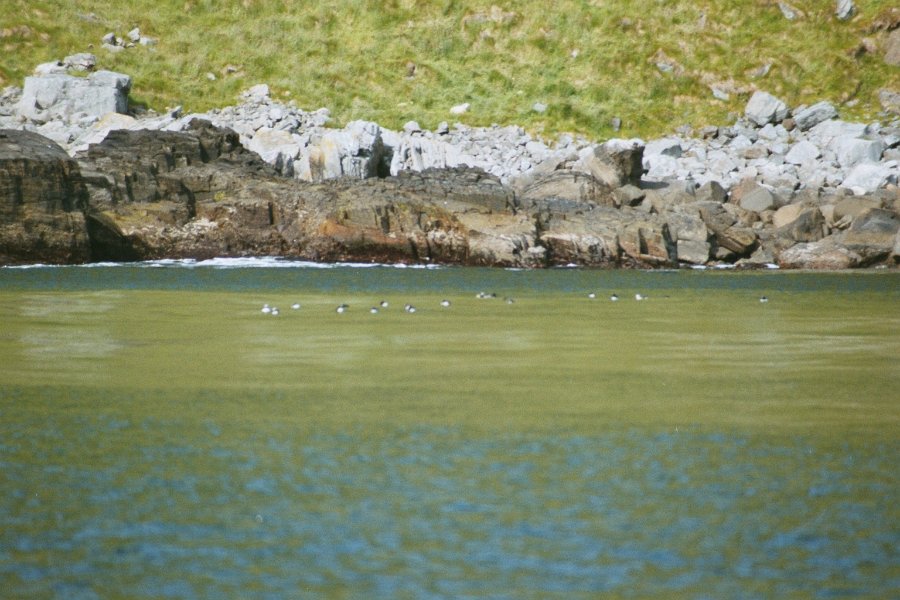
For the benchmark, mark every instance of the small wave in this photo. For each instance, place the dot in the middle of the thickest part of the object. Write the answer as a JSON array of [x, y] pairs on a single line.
[[23, 267], [231, 263]]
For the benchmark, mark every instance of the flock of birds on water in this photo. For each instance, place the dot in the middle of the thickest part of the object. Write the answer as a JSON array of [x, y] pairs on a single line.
[[409, 308]]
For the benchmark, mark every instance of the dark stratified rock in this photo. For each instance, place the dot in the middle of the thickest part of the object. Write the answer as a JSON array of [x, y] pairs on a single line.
[[41, 200], [826, 254], [199, 194], [592, 235], [808, 226], [569, 185], [461, 216], [152, 194], [872, 235], [728, 233], [616, 162]]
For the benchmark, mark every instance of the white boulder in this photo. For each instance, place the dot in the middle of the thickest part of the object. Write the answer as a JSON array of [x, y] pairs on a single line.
[[765, 108]]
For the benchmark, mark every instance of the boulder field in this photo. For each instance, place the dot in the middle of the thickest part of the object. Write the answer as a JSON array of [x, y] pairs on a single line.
[[82, 181]]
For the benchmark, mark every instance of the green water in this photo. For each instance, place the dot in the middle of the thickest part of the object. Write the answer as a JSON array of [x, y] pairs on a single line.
[[160, 437]]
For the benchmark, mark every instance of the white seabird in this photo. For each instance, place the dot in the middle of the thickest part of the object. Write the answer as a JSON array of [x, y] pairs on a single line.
[[266, 309], [445, 303], [341, 308], [639, 297], [295, 306], [614, 298]]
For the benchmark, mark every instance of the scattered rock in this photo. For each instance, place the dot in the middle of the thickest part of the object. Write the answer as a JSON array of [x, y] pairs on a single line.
[[866, 178], [824, 254], [808, 226], [892, 49], [460, 109], [872, 235], [845, 10], [790, 13], [890, 101], [851, 151], [83, 61], [808, 118], [629, 195], [786, 214], [802, 153], [853, 207], [616, 162], [758, 199], [65, 97], [765, 108]]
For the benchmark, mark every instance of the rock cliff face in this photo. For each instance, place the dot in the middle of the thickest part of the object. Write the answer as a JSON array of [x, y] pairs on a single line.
[[199, 193], [42, 202]]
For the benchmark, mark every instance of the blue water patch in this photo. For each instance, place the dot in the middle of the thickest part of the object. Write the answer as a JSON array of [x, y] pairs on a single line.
[[436, 512]]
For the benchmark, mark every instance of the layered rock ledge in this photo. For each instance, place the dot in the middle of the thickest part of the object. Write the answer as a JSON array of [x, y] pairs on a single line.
[[795, 188]]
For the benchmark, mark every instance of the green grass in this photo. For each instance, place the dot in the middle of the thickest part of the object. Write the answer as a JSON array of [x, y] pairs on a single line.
[[589, 61]]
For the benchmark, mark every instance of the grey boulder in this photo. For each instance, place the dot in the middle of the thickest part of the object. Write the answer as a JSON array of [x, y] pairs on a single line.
[[813, 115], [765, 108], [65, 97]]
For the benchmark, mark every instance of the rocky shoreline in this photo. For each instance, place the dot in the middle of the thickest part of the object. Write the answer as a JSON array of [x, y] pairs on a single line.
[[82, 181]]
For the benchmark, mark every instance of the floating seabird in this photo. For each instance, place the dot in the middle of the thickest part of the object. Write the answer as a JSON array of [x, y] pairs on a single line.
[[445, 303], [295, 306], [592, 295], [266, 309], [614, 298], [384, 304], [763, 299], [409, 308], [639, 297], [484, 295], [342, 308], [373, 310], [274, 311]]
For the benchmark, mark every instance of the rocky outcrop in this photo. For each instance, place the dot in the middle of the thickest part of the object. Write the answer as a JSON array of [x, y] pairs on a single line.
[[42, 199], [200, 193], [59, 96], [795, 187]]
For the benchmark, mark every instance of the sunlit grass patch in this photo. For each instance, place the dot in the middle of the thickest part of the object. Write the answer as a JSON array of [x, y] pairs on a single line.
[[588, 62]]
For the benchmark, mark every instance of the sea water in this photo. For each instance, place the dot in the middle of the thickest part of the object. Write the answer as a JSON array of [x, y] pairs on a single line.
[[162, 437]]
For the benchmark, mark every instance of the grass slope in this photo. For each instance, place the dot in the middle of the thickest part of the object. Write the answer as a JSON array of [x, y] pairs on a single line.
[[395, 60]]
